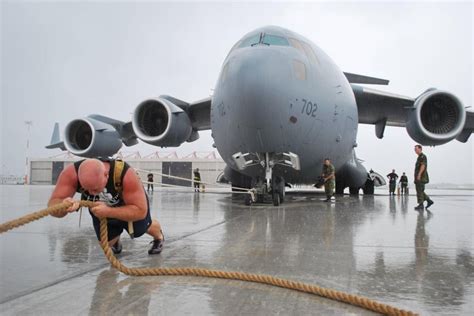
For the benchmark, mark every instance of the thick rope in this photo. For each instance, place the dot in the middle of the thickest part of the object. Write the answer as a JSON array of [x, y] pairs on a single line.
[[355, 300]]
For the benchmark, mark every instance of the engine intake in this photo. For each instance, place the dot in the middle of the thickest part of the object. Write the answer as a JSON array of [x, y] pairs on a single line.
[[88, 137], [437, 118], [160, 122]]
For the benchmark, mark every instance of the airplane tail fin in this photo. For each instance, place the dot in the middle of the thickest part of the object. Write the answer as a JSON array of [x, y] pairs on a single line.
[[355, 78], [56, 139]]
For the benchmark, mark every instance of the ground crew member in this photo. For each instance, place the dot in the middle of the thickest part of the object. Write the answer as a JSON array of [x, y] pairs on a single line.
[[150, 182], [404, 183], [421, 178], [120, 197], [392, 182], [329, 178], [197, 180]]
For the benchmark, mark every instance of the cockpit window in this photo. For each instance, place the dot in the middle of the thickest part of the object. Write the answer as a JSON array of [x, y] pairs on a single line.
[[305, 49], [249, 41], [297, 44], [275, 40], [309, 51]]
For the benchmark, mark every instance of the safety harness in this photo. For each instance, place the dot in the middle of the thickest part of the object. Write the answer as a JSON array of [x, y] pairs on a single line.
[[118, 185]]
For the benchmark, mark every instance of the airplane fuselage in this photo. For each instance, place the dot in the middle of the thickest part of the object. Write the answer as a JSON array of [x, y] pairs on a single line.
[[278, 92]]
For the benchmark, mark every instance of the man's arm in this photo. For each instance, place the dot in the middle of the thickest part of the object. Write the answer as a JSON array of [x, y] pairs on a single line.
[[331, 174], [135, 207], [420, 172], [64, 191]]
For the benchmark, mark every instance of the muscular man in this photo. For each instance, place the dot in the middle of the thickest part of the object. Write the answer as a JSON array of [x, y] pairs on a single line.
[[421, 178], [126, 206]]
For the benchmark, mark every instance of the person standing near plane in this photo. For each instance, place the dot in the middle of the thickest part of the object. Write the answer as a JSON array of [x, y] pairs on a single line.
[[329, 180], [392, 182], [404, 183], [421, 178], [197, 180], [118, 194], [150, 182]]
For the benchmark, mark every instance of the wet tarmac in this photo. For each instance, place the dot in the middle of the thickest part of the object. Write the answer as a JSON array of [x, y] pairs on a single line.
[[375, 246]]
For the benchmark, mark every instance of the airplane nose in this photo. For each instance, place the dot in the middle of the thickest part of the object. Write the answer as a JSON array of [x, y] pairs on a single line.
[[254, 83], [251, 102]]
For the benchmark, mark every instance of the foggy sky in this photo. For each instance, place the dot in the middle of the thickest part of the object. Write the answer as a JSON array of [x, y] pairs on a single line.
[[61, 61]]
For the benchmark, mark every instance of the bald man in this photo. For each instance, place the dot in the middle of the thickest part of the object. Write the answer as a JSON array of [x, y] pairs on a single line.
[[94, 179]]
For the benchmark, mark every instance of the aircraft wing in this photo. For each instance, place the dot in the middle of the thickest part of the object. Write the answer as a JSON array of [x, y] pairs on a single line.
[[164, 121], [444, 117], [200, 114], [375, 105]]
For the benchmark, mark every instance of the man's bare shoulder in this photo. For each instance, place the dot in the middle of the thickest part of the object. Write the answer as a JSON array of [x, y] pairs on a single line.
[[69, 175], [130, 179]]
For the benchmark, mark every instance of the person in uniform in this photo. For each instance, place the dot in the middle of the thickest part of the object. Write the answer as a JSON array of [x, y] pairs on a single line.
[[197, 180], [392, 182], [421, 178], [404, 183], [119, 195], [329, 178], [150, 182]]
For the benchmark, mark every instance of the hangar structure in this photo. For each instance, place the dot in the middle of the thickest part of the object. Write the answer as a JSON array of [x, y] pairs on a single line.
[[211, 167]]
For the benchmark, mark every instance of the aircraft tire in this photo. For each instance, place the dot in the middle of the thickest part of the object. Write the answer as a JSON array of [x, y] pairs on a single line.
[[282, 196], [281, 190], [368, 187], [248, 199], [339, 188], [353, 191], [276, 198]]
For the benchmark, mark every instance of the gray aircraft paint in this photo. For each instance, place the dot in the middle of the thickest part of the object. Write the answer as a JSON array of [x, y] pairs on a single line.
[[259, 106], [277, 99]]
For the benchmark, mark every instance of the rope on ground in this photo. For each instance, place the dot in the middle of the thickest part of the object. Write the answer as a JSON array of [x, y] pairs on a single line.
[[355, 300]]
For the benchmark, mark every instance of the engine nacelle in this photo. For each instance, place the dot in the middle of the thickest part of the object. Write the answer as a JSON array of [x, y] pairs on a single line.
[[88, 137], [159, 122], [437, 118]]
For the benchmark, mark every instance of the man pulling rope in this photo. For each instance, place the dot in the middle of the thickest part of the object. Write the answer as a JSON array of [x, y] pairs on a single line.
[[120, 197]]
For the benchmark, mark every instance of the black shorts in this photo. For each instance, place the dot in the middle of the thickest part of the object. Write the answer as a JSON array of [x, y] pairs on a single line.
[[115, 227]]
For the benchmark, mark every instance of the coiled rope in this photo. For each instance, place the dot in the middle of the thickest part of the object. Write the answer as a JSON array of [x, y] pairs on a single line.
[[355, 300]]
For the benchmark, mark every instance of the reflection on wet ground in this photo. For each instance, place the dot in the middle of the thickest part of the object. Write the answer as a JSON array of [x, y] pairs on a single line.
[[374, 246]]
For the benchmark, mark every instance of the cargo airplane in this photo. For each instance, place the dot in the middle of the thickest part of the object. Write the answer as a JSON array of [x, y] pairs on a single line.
[[280, 106]]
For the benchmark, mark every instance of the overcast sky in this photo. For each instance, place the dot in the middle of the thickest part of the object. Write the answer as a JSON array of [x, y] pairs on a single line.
[[61, 61]]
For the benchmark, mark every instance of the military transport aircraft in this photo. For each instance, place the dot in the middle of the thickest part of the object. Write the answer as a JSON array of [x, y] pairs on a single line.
[[280, 106]]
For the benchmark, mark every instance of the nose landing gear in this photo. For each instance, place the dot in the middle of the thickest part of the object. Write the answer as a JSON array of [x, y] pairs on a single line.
[[273, 185]]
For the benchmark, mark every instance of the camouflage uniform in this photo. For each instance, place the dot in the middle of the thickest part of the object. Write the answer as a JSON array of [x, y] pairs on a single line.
[[330, 184], [393, 182], [404, 184], [420, 184]]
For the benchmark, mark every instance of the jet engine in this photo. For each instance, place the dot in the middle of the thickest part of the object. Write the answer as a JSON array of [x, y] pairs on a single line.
[[437, 118], [88, 137], [160, 122]]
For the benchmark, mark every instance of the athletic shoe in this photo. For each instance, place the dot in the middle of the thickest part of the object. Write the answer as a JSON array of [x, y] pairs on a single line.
[[117, 247], [157, 246]]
